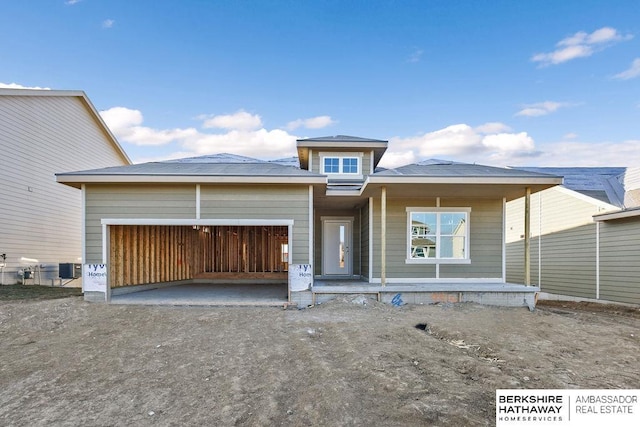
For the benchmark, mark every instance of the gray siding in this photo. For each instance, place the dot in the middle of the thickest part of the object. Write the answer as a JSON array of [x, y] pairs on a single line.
[[485, 241], [129, 201], [620, 260], [262, 202], [564, 231], [40, 136], [366, 160]]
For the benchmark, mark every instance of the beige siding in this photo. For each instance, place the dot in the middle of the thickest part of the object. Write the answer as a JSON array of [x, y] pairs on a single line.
[[262, 202], [40, 136], [485, 241], [620, 260]]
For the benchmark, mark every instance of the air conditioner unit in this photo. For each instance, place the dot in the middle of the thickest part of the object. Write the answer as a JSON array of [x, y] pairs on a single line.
[[70, 271]]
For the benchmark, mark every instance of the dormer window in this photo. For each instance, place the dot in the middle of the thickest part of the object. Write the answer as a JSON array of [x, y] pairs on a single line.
[[343, 164]]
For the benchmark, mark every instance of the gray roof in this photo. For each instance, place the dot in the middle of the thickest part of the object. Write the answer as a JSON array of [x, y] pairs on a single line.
[[444, 168], [211, 165], [601, 183], [341, 138]]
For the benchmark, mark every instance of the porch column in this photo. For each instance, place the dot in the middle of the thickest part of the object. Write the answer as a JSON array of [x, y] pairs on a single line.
[[383, 237], [527, 237]]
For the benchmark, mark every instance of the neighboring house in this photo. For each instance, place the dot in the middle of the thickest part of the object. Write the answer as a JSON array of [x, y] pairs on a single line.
[[585, 235], [43, 132], [434, 227]]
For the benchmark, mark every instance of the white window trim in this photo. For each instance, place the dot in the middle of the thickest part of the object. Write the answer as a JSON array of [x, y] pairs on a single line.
[[466, 260], [341, 156]]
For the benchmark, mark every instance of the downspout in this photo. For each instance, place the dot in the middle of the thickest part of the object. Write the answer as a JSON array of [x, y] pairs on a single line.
[[383, 237], [527, 237]]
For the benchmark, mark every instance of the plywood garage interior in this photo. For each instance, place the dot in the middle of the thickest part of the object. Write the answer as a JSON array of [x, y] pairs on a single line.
[[145, 254]]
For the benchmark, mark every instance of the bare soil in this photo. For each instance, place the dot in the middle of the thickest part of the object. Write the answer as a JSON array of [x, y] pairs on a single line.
[[67, 362]]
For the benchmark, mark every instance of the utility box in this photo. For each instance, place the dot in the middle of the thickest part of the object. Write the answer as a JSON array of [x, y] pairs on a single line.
[[70, 271]]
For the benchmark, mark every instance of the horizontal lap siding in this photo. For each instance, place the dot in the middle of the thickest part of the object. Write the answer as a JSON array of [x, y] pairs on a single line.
[[262, 202], [566, 236], [620, 260], [41, 136], [140, 202], [485, 241]]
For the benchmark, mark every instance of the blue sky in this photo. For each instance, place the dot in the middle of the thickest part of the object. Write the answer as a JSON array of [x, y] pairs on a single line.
[[539, 83]]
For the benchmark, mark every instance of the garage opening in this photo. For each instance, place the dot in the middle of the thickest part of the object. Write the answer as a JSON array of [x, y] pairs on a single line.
[[148, 254]]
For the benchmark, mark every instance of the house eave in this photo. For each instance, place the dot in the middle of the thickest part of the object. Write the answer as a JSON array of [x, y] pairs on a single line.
[[627, 213], [76, 181]]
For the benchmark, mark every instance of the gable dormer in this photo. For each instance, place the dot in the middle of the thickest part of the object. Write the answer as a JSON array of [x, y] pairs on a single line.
[[341, 157]]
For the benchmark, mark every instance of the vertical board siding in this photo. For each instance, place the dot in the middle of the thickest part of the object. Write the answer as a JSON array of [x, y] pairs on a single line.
[[262, 202], [39, 137], [144, 254], [485, 240]]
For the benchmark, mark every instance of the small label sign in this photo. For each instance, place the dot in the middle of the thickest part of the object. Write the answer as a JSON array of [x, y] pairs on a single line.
[[300, 277], [94, 278]]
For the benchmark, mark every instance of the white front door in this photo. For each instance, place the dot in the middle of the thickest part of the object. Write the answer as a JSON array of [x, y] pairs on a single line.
[[336, 247]]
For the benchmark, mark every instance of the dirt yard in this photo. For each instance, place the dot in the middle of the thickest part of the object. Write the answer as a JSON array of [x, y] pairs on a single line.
[[67, 362]]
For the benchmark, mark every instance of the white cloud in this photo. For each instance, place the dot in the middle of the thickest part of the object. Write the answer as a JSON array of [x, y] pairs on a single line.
[[492, 127], [489, 143], [127, 125], [17, 86], [580, 45], [72, 2], [631, 73], [541, 108], [570, 135], [317, 122], [108, 23], [463, 143], [240, 120]]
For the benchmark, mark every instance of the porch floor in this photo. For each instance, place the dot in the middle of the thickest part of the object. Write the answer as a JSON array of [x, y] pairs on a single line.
[[357, 286], [489, 293]]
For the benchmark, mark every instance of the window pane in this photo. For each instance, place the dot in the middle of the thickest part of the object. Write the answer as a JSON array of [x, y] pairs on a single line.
[[423, 235], [331, 165], [350, 165], [452, 246], [423, 224], [452, 224]]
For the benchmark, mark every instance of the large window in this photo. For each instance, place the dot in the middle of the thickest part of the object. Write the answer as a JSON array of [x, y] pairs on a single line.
[[438, 234], [341, 165]]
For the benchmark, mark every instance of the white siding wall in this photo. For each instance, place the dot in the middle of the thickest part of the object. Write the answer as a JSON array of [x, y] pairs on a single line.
[[39, 218]]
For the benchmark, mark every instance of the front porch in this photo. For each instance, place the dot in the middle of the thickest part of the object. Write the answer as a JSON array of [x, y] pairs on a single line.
[[488, 293]]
